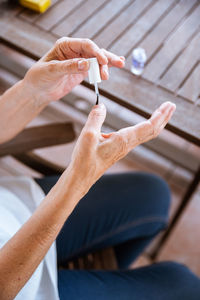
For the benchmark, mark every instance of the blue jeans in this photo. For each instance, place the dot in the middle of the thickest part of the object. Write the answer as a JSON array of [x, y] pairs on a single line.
[[125, 211]]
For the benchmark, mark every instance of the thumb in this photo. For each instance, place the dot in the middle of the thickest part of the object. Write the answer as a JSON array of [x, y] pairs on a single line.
[[96, 118], [70, 66]]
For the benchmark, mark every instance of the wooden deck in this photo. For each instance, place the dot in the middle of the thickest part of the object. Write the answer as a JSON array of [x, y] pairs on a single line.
[[169, 31]]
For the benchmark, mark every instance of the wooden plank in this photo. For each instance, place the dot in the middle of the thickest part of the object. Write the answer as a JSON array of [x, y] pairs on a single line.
[[39, 137], [172, 47], [39, 164], [155, 38], [97, 261], [77, 17], [30, 15], [28, 39], [108, 259], [88, 261], [81, 263], [8, 8], [135, 33], [142, 97], [182, 66], [191, 88], [99, 20], [125, 19], [56, 13]]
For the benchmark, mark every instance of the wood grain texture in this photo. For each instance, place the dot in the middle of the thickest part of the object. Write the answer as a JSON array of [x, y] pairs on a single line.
[[100, 19], [119, 24], [173, 46], [8, 8], [191, 88], [182, 66], [30, 15], [135, 33], [101, 260], [108, 259], [77, 17], [25, 38], [39, 164], [157, 36], [39, 137], [56, 13]]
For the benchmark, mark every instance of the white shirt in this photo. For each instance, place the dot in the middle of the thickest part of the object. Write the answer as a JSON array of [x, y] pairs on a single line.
[[19, 197]]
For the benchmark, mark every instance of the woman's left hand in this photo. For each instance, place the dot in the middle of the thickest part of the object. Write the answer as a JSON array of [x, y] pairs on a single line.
[[65, 66]]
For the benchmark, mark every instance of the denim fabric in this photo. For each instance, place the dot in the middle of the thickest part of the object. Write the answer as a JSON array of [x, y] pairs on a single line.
[[125, 211]]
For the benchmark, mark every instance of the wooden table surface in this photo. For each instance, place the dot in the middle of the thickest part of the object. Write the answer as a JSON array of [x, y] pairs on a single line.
[[169, 31]]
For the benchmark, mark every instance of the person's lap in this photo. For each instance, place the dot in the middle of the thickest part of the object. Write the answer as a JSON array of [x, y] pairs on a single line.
[[125, 211], [162, 281], [117, 209]]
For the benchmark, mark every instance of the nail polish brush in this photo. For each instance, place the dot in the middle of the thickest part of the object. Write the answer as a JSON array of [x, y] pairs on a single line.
[[94, 75]]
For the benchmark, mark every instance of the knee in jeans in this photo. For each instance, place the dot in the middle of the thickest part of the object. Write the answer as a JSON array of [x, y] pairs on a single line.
[[162, 195], [180, 278], [179, 271], [157, 193]]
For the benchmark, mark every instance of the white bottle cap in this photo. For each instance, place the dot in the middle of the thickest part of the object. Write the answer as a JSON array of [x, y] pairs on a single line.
[[93, 72]]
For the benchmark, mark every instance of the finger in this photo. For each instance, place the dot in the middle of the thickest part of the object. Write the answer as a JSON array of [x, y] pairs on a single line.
[[149, 129], [68, 48], [96, 118], [161, 116], [114, 60], [87, 48], [70, 66], [104, 72]]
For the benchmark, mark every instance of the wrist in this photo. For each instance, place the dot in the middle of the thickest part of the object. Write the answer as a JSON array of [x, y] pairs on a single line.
[[66, 193]]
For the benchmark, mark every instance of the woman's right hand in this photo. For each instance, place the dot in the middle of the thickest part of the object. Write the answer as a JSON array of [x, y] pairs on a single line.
[[95, 152]]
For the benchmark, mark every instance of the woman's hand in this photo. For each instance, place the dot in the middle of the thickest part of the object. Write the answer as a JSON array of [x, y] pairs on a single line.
[[95, 152], [65, 66]]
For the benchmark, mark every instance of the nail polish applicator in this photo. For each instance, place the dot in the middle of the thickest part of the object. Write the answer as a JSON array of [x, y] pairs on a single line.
[[94, 75]]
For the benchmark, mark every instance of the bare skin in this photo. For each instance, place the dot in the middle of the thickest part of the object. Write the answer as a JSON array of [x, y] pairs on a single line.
[[51, 78], [93, 154]]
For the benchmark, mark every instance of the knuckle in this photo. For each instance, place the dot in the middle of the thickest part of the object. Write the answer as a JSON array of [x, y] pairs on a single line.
[[71, 66], [89, 43], [51, 66], [61, 40], [90, 136], [103, 51]]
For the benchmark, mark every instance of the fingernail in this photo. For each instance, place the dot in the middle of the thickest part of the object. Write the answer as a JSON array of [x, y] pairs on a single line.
[[122, 57], [174, 105], [100, 106], [83, 65]]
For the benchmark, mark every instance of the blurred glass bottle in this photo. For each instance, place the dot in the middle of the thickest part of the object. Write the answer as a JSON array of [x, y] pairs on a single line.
[[138, 61]]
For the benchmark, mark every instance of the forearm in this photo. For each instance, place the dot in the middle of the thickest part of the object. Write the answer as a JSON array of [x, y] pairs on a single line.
[[25, 250], [17, 108]]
